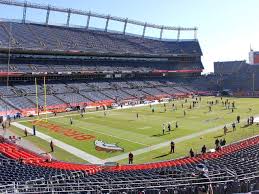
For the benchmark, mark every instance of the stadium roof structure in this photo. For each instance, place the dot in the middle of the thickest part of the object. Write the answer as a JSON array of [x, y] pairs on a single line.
[[37, 38], [90, 14]]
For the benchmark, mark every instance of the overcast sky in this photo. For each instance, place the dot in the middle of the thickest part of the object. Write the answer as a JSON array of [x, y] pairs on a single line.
[[226, 27]]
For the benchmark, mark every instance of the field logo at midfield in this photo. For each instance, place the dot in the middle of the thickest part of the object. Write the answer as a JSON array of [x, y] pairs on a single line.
[[77, 135]]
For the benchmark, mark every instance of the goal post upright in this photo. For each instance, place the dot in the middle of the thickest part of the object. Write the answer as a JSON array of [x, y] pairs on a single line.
[[45, 99], [37, 98]]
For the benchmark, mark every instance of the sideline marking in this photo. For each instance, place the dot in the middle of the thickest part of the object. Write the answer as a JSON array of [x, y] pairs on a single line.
[[71, 149]]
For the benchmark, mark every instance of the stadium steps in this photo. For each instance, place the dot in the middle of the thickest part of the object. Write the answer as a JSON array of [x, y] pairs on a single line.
[[31, 100], [11, 105], [108, 97], [9, 35], [35, 35], [164, 92], [61, 99], [189, 89], [127, 92], [85, 96], [150, 95], [180, 91]]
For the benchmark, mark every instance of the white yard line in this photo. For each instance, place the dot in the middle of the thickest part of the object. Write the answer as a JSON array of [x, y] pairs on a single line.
[[107, 134], [167, 143], [75, 151], [146, 127]]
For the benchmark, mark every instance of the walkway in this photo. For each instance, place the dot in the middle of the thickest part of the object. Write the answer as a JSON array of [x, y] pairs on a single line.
[[75, 151], [23, 142]]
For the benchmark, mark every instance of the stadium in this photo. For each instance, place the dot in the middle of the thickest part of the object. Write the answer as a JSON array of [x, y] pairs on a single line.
[[90, 110]]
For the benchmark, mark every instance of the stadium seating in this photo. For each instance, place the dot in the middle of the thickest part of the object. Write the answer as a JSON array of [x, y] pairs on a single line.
[[72, 98], [68, 93], [20, 103], [95, 96], [33, 36], [232, 169]]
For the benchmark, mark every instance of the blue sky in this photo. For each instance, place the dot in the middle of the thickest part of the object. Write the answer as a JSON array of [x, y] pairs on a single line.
[[226, 27]]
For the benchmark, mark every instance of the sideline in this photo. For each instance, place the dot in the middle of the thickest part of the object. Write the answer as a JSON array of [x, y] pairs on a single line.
[[75, 151]]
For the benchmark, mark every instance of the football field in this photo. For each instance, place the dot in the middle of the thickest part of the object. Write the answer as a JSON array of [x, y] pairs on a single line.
[[123, 128]]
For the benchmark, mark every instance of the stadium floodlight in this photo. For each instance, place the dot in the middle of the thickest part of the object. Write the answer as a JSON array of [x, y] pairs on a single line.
[[49, 8]]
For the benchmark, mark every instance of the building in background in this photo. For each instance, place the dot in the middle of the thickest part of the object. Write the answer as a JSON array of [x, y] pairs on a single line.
[[254, 57]]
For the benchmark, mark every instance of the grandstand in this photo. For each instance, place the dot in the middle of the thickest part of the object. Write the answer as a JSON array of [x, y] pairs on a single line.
[[47, 68], [233, 169], [96, 59]]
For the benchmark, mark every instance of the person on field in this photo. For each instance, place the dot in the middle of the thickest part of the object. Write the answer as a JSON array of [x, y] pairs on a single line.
[[225, 130], [238, 119], [131, 158], [137, 115], [191, 153], [233, 126], [169, 127], [252, 120], [71, 121], [172, 147], [34, 130], [51, 146], [25, 132], [217, 142], [203, 149], [176, 124], [224, 142]]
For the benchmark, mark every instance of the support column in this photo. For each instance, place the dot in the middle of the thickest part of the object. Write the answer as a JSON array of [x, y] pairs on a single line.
[[68, 17], [88, 20], [144, 30], [24, 12], [178, 34], [107, 23], [125, 26], [161, 32], [47, 15]]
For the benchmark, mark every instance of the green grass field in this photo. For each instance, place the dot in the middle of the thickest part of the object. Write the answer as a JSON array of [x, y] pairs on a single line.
[[122, 127]]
